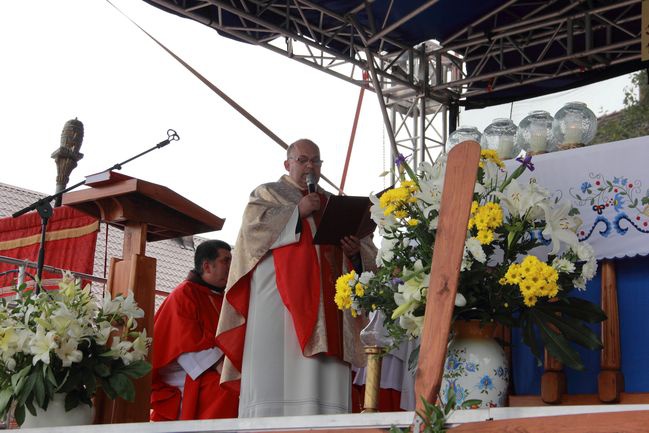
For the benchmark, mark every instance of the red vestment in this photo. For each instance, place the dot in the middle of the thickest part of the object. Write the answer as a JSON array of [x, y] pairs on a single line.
[[186, 322]]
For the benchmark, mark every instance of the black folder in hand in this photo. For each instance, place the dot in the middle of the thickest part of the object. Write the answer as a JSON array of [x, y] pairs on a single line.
[[344, 216]]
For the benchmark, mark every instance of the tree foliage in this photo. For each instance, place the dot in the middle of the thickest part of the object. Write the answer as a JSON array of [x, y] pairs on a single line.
[[633, 120]]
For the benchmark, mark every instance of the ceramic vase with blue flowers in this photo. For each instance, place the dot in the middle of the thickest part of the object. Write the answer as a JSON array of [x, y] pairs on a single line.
[[476, 366]]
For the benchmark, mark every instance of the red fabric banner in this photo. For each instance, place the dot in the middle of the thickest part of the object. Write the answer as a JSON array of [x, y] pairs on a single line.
[[70, 241]]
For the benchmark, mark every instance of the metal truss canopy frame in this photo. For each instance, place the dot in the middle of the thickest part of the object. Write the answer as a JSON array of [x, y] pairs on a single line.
[[513, 44], [425, 56]]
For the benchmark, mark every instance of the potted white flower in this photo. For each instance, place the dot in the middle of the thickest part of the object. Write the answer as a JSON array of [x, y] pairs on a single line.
[[66, 343]]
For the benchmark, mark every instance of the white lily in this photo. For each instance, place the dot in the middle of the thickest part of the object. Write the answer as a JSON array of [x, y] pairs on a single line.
[[121, 349], [140, 346], [65, 321], [68, 352], [523, 202], [560, 226], [412, 324], [40, 345], [414, 286], [365, 277], [130, 308], [110, 305], [103, 332], [378, 216], [8, 341], [386, 252]]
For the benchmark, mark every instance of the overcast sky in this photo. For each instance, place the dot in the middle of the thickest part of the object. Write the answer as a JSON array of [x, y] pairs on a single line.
[[81, 58]]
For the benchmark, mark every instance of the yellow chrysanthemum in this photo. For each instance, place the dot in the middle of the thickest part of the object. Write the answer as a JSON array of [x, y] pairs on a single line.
[[400, 214], [343, 296], [394, 200], [485, 237], [486, 219], [534, 278], [490, 155], [412, 222], [359, 289]]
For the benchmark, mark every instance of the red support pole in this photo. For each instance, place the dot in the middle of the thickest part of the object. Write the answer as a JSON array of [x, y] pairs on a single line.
[[353, 134]]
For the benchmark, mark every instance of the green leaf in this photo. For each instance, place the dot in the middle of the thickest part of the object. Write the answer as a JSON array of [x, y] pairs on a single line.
[[39, 388], [557, 345], [50, 376], [575, 307], [64, 382], [89, 380], [17, 381], [102, 370], [30, 407], [5, 397], [573, 330], [123, 386], [137, 369], [108, 389], [450, 401], [19, 414], [26, 391], [71, 400], [530, 339]]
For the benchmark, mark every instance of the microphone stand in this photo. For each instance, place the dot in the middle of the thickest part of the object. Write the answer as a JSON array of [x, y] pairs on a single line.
[[44, 206]]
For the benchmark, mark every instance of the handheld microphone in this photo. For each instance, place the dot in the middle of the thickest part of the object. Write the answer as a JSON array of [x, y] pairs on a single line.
[[310, 182]]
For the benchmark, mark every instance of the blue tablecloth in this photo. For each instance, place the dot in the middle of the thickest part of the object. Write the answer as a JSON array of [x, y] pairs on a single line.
[[633, 299]]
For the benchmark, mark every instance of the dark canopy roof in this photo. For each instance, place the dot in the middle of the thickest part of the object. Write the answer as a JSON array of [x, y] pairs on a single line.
[[508, 50]]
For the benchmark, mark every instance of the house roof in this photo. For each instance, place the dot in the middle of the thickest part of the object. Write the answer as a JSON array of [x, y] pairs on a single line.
[[175, 257]]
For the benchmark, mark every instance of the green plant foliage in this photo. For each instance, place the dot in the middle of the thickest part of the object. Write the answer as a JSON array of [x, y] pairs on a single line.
[[434, 418]]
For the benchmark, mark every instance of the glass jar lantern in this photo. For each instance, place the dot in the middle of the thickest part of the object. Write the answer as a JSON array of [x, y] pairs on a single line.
[[499, 136], [534, 133], [463, 133], [574, 125]]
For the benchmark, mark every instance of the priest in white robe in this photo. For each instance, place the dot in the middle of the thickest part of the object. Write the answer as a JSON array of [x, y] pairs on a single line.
[[288, 349]]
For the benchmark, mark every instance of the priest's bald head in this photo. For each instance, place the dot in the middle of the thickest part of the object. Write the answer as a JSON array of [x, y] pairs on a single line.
[[302, 158]]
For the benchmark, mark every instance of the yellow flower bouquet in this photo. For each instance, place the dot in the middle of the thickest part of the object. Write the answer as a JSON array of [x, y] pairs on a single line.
[[522, 259]]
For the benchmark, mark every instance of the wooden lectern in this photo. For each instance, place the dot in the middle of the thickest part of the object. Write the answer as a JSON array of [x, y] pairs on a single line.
[[146, 212]]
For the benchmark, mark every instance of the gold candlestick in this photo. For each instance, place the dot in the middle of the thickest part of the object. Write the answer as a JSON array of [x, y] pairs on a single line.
[[372, 378]]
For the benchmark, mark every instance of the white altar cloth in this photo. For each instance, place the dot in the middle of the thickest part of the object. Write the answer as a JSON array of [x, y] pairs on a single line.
[[609, 185]]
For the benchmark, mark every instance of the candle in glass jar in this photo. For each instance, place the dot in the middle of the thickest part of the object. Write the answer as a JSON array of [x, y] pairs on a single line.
[[505, 146], [538, 138], [573, 132]]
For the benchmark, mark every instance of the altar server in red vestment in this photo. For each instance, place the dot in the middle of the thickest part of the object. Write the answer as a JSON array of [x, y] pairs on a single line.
[[288, 348], [186, 360]]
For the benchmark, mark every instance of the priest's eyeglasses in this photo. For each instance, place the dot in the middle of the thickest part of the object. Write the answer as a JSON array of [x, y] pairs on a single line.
[[302, 160]]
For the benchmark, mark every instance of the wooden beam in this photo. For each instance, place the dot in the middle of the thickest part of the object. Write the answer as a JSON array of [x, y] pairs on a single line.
[[610, 381], [618, 422], [455, 208]]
